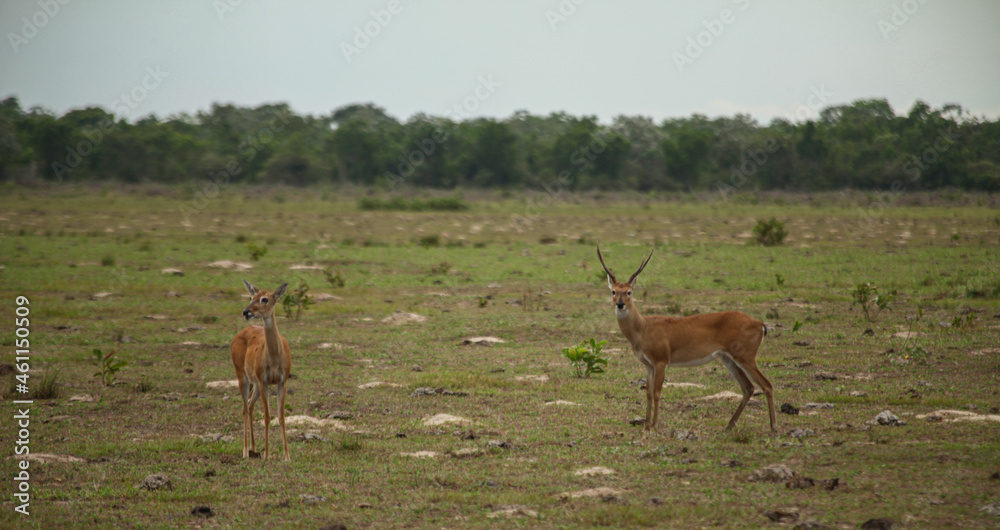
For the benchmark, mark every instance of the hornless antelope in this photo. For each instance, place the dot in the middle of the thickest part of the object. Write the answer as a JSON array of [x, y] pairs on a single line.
[[660, 341], [261, 357]]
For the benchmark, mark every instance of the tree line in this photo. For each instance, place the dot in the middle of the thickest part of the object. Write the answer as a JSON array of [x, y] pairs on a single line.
[[863, 145]]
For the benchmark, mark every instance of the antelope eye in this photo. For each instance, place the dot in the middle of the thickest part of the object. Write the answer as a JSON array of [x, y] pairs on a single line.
[[263, 300], [613, 292], [629, 293]]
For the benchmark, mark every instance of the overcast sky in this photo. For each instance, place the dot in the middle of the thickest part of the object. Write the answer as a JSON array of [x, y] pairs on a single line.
[[659, 59]]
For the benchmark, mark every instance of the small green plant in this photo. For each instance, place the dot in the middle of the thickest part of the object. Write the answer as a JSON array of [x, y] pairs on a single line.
[[587, 358], [871, 301], [297, 300], [256, 252], [779, 279], [770, 232], [107, 366], [334, 279], [796, 327]]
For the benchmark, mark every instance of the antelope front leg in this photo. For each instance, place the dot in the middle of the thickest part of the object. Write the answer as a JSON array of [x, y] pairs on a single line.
[[649, 398], [658, 373], [248, 405], [281, 419], [267, 420]]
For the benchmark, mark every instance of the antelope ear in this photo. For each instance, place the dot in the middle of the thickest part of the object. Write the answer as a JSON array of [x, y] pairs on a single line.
[[611, 284], [250, 288], [280, 291]]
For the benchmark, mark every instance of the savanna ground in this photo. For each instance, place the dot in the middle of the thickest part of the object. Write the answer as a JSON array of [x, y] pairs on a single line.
[[532, 280]]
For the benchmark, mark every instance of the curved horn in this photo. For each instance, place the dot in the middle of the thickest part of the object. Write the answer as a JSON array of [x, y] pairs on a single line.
[[606, 269], [631, 281]]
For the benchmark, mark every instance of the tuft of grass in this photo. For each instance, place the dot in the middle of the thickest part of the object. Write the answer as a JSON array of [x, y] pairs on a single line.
[[48, 386], [108, 261]]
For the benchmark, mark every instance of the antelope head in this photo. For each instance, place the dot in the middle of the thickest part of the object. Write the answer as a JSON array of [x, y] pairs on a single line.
[[621, 292], [262, 303]]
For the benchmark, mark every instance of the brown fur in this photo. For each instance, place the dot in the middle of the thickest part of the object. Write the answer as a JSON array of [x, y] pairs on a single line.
[[261, 357], [659, 341]]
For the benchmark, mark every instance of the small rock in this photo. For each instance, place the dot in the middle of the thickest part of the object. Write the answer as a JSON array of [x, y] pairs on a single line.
[[772, 473], [877, 524], [157, 481], [82, 398], [402, 317], [202, 511], [803, 364], [126, 339], [421, 454], [482, 341], [498, 444], [799, 433], [858, 393], [886, 418], [512, 511], [826, 376], [788, 408], [417, 368], [725, 394], [818, 405], [306, 498], [991, 509], [731, 463], [592, 492], [594, 471], [638, 420], [681, 434], [441, 419], [869, 332], [783, 515], [466, 452], [172, 272], [801, 343]]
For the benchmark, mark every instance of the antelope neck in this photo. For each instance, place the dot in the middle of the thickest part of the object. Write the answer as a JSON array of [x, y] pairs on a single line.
[[271, 337], [632, 324]]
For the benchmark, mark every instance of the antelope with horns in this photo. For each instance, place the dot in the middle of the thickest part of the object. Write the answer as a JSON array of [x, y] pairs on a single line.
[[261, 358], [661, 341]]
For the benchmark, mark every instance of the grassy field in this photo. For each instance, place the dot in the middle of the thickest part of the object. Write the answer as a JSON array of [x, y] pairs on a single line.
[[521, 268]]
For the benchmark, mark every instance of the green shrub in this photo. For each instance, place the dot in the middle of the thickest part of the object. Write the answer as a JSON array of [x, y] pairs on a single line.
[[871, 301], [769, 233]]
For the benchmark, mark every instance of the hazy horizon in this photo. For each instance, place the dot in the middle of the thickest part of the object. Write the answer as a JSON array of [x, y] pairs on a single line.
[[654, 59]]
